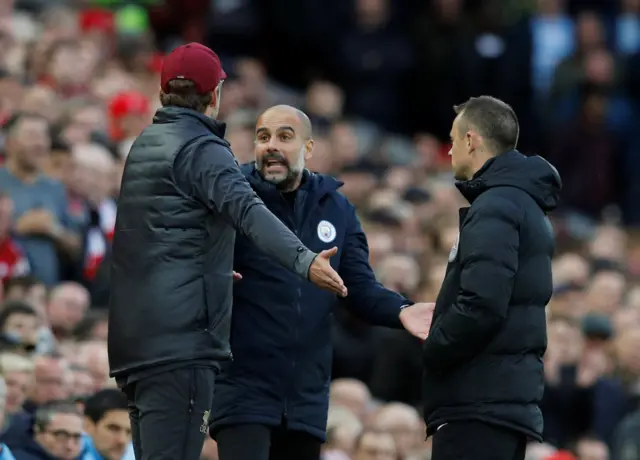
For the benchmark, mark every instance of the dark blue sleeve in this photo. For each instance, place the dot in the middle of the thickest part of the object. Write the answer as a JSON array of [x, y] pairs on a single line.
[[488, 250], [210, 173], [367, 298]]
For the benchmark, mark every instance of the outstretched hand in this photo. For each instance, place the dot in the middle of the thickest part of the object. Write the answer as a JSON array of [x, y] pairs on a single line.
[[417, 318], [322, 274]]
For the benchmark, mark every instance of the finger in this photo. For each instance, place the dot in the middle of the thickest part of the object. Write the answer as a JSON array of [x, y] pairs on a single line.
[[237, 276], [328, 253], [336, 286]]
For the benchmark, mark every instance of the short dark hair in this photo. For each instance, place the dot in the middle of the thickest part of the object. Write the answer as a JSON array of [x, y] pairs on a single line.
[[46, 412], [183, 93], [14, 121], [25, 282], [494, 120], [15, 307], [96, 406]]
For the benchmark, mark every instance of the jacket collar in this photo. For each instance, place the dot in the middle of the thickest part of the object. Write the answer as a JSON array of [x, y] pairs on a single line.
[[171, 114]]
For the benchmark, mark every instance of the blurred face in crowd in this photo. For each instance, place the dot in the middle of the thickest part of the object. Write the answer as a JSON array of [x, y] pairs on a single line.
[[283, 144], [28, 143], [68, 305], [111, 435], [82, 382], [592, 449], [590, 32], [344, 143], [627, 346], [241, 140], [6, 212], [605, 292], [352, 394], [403, 423], [60, 166], [62, 436], [23, 327], [82, 123], [42, 101], [565, 343], [93, 357], [376, 446], [18, 385], [35, 295], [93, 172], [52, 380], [461, 151]]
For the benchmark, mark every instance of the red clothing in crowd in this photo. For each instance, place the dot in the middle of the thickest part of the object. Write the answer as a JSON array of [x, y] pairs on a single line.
[[13, 261]]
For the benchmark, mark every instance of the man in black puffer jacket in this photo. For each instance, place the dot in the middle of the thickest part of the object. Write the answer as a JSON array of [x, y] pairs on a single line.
[[182, 197], [483, 357]]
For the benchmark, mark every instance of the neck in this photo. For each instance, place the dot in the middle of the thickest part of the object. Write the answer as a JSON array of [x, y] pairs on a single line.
[[22, 174], [481, 159]]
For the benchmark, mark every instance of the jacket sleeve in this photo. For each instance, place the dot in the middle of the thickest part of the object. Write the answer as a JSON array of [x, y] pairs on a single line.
[[368, 299], [214, 177], [488, 248]]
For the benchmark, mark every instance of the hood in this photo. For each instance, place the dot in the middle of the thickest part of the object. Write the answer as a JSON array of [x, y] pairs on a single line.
[[534, 175]]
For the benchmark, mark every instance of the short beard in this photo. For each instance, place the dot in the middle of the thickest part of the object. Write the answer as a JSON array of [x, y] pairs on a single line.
[[292, 177]]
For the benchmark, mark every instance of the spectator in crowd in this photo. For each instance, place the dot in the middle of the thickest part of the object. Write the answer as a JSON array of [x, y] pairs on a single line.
[[57, 433], [40, 203], [107, 424]]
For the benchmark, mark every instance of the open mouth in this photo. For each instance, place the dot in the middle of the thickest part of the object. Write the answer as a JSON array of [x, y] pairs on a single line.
[[275, 166]]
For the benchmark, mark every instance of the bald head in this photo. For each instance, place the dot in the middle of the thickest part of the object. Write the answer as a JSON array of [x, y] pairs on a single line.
[[305, 129], [283, 144], [352, 394]]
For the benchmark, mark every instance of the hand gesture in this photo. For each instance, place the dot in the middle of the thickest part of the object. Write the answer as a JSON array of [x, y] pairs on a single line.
[[417, 318], [593, 365], [322, 274], [36, 222]]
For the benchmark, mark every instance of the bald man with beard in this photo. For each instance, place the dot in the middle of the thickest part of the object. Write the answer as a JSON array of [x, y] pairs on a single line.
[[271, 401]]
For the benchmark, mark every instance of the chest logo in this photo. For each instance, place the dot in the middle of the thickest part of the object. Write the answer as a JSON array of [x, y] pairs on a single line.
[[326, 231], [454, 250]]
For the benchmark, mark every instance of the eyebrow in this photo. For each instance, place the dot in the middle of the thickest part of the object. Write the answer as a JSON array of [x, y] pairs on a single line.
[[263, 129]]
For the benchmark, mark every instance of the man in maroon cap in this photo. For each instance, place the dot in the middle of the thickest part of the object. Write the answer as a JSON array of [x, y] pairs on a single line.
[[182, 198]]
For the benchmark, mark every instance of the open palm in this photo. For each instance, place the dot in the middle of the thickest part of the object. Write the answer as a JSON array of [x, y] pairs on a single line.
[[417, 319]]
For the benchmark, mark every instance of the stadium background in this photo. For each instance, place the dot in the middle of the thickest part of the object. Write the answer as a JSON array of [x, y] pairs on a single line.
[[378, 79]]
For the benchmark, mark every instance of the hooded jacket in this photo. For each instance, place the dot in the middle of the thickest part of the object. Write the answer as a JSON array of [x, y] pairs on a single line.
[[483, 356]]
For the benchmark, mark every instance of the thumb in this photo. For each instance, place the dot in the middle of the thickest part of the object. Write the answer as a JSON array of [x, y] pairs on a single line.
[[328, 253]]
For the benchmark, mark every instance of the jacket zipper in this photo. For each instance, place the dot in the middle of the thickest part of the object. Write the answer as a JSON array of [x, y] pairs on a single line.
[[298, 230]]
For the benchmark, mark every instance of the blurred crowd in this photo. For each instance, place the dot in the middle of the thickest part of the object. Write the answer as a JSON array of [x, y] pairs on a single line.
[[378, 78]]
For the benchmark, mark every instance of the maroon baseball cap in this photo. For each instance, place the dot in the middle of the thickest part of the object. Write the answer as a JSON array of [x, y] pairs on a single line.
[[194, 62]]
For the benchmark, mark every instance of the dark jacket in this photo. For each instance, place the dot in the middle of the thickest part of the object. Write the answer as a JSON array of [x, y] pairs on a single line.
[[483, 356], [281, 325], [182, 195]]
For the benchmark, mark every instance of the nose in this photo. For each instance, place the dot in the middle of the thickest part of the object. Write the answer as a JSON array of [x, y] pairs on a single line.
[[449, 152]]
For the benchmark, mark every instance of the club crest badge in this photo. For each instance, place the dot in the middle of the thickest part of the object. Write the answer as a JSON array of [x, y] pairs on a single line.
[[326, 231], [454, 250]]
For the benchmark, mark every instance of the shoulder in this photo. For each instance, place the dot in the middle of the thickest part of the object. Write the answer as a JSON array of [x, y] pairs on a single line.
[[498, 202]]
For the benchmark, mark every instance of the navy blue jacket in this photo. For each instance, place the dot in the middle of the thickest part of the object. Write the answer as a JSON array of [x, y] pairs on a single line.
[[281, 324]]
